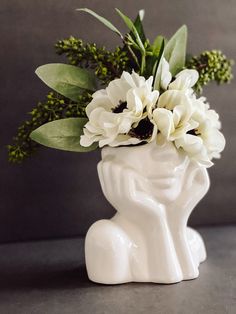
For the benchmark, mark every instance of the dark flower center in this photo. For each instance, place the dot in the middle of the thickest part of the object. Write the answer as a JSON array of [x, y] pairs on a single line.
[[143, 131], [193, 132], [120, 107]]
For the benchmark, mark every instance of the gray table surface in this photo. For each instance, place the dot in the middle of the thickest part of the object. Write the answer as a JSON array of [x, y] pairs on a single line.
[[49, 277]]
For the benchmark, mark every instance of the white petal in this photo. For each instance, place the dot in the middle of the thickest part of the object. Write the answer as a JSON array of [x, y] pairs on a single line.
[[100, 101], [149, 82], [184, 80], [123, 139], [173, 98], [85, 141], [215, 142], [133, 80], [134, 102], [164, 121], [165, 74], [117, 90], [190, 143]]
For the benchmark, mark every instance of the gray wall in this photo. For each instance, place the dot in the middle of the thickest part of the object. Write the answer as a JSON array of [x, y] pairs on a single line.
[[57, 194]]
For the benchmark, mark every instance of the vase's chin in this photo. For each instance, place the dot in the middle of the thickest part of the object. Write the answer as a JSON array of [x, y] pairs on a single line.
[[166, 191]]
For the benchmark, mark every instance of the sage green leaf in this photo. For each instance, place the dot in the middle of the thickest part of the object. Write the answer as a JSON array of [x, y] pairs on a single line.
[[62, 134], [132, 27], [158, 67], [103, 20], [68, 80], [175, 50]]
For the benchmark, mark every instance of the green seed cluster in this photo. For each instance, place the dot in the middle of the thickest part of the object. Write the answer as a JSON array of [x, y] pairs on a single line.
[[211, 66], [55, 107], [107, 65]]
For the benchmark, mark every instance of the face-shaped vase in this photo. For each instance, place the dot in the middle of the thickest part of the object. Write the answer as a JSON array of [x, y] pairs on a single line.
[[161, 166]]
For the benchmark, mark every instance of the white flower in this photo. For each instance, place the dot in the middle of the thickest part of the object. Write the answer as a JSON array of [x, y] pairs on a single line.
[[204, 141], [174, 108], [172, 115], [184, 80], [186, 120], [128, 112], [114, 111]]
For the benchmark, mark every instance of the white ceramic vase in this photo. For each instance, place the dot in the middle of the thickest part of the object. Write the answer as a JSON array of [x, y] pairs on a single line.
[[154, 189]]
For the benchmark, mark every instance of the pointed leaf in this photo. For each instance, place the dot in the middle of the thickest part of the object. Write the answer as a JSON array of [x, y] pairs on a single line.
[[126, 19], [157, 44], [139, 25], [175, 50], [153, 59], [68, 80], [62, 134], [141, 14], [132, 27], [103, 20]]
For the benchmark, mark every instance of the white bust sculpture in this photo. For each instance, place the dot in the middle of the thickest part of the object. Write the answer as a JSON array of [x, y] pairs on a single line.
[[154, 188]]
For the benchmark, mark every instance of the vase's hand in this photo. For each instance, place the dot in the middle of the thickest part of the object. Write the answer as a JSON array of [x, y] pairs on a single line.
[[125, 190], [195, 186]]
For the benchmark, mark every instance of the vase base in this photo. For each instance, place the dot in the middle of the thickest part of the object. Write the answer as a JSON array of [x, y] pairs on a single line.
[[112, 258]]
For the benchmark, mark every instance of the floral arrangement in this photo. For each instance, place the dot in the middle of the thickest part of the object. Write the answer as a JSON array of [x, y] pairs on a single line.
[[147, 92]]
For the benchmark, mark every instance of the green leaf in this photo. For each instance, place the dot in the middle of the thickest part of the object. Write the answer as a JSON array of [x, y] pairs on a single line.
[[153, 60], [103, 20], [175, 50], [126, 19], [62, 134], [139, 25], [158, 67], [132, 27], [157, 44], [68, 80]]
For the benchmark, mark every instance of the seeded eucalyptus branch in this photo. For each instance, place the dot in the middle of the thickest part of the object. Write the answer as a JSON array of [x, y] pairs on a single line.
[[211, 66], [53, 108], [106, 64]]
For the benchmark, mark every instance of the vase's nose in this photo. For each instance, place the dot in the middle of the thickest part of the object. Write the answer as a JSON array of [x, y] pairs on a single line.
[[166, 160], [166, 153]]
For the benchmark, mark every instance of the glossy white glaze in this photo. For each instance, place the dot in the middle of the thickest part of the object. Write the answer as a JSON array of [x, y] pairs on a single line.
[[154, 188]]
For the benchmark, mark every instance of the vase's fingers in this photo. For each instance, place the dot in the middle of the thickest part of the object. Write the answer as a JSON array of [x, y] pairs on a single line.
[[113, 171], [202, 179], [103, 169], [116, 175], [197, 176], [191, 173], [128, 186], [200, 186], [195, 186], [145, 206], [111, 181], [187, 261], [101, 177]]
